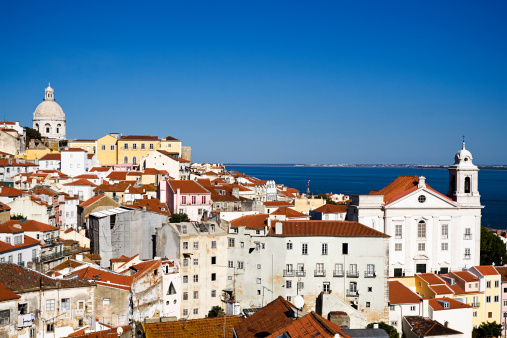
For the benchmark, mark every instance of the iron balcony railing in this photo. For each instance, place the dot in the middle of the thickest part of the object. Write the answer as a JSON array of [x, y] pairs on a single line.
[[352, 293], [370, 274], [467, 236], [300, 273], [476, 304], [289, 273], [352, 273], [338, 273], [320, 273]]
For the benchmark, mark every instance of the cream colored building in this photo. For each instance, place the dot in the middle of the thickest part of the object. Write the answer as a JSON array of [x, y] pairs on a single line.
[[134, 149], [48, 117], [304, 205], [107, 149], [89, 145]]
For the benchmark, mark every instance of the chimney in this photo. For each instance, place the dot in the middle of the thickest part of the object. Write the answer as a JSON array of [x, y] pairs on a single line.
[[499, 233], [235, 192], [278, 228], [375, 325], [422, 182]]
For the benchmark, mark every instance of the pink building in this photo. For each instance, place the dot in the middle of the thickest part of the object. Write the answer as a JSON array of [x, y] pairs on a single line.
[[502, 270], [185, 196]]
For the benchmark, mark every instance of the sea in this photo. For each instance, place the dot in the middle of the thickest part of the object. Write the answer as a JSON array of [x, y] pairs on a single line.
[[360, 180]]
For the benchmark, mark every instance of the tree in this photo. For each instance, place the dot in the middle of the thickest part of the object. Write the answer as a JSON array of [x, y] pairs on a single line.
[[326, 198], [17, 217], [216, 311], [492, 248], [390, 330], [32, 134], [487, 330], [178, 218]]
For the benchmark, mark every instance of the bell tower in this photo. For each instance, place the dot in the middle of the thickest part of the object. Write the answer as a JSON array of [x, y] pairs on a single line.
[[463, 179]]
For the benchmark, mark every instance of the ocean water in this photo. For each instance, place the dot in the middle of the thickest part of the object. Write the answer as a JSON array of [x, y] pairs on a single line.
[[492, 183]]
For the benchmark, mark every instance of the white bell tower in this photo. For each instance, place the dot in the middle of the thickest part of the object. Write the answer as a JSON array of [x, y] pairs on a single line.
[[463, 179]]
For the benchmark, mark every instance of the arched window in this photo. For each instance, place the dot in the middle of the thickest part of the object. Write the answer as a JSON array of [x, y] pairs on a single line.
[[467, 185], [58, 127], [125, 160], [48, 128], [134, 160], [421, 229], [37, 126]]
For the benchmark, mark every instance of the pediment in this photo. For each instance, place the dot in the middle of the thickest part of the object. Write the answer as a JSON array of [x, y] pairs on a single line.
[[432, 200]]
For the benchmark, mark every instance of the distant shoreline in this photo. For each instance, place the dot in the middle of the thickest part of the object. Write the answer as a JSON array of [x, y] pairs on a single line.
[[412, 166]]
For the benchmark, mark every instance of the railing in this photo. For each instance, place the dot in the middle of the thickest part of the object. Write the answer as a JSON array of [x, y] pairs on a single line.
[[352, 293], [352, 274], [370, 274], [444, 236], [320, 273], [467, 236], [467, 257], [289, 273], [21, 263], [476, 304], [300, 273], [54, 240], [338, 273], [48, 257], [397, 236]]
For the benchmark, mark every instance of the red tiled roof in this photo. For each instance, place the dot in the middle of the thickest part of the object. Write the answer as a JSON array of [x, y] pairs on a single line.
[[92, 200], [42, 191], [74, 149], [28, 242], [88, 176], [187, 187], [4, 207], [170, 138], [183, 160], [309, 326], [151, 204], [502, 270], [441, 289], [138, 138], [51, 157], [289, 213], [6, 294], [332, 209], [399, 185], [215, 327], [424, 327], [31, 225], [169, 154], [100, 169], [431, 278], [100, 334], [117, 175], [69, 263], [105, 277], [10, 191], [82, 181], [465, 276], [83, 141], [400, 294], [15, 163], [486, 270], [326, 228], [278, 204], [257, 221]]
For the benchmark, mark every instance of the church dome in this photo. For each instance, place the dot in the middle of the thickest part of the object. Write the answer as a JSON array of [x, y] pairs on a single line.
[[463, 156], [49, 109]]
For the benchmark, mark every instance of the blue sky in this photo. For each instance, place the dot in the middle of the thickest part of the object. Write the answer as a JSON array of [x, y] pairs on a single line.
[[268, 82]]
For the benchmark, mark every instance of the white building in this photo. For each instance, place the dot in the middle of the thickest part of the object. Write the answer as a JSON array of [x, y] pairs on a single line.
[[74, 161], [17, 248], [429, 231], [48, 117], [51, 161]]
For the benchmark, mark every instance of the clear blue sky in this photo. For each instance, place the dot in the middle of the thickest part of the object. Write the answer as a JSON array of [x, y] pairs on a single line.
[[268, 81]]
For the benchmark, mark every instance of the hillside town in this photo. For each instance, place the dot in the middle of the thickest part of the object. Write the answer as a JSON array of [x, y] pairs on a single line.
[[125, 235]]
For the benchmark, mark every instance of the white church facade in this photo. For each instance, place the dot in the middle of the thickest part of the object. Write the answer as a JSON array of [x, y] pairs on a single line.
[[49, 118], [430, 231]]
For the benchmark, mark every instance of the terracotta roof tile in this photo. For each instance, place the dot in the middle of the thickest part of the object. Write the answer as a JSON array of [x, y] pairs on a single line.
[[42, 191], [138, 138], [150, 204], [400, 294], [15, 163], [465, 276], [399, 185], [83, 182], [278, 204], [6, 293], [28, 242], [326, 228], [92, 200], [187, 187], [31, 225], [51, 157], [423, 327], [441, 289], [309, 326], [502, 270], [206, 327], [332, 209], [117, 175], [100, 334], [100, 169], [257, 221], [486, 270], [170, 138], [431, 278], [289, 213], [88, 176], [10, 191], [74, 149], [453, 304]]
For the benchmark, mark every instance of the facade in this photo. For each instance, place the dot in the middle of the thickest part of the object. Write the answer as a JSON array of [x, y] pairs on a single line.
[[163, 160], [402, 302], [201, 249], [81, 188], [429, 231], [187, 197], [51, 161], [16, 247], [32, 208], [74, 161], [11, 167], [107, 152], [134, 149], [89, 145], [489, 281], [330, 212], [48, 117]]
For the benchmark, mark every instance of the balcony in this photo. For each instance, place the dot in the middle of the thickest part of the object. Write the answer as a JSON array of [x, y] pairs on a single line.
[[352, 293], [476, 304], [353, 274], [444, 236], [370, 274], [51, 256], [467, 257], [21, 263], [467, 236], [320, 273], [338, 273], [300, 273], [289, 273]]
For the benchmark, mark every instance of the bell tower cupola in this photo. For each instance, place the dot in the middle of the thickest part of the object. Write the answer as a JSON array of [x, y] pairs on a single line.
[[463, 179]]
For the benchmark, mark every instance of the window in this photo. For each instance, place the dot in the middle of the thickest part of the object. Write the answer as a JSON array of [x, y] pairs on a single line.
[[474, 314], [421, 246], [196, 278], [370, 270], [184, 229], [490, 314], [289, 298], [397, 246], [103, 147], [240, 265], [467, 188], [488, 299], [324, 248], [497, 299], [370, 289], [213, 244], [289, 246], [143, 147], [126, 146], [134, 146], [319, 269], [23, 309], [50, 305], [412, 308], [185, 279], [497, 284], [338, 269], [50, 327], [488, 284], [105, 301], [367, 304], [196, 261], [304, 248], [231, 242], [467, 256], [213, 276], [231, 264], [196, 294], [445, 246], [183, 199], [242, 244], [213, 260], [185, 245], [398, 231], [185, 295], [421, 229], [257, 247], [194, 199], [326, 287], [111, 147], [196, 245], [288, 284], [258, 266], [394, 323], [345, 248], [65, 304], [445, 231], [203, 200], [126, 160], [185, 312], [195, 311], [151, 146], [421, 199], [258, 281], [391, 307]]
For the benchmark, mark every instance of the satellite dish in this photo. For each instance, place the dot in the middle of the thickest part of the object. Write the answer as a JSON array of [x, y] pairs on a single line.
[[119, 330], [299, 302]]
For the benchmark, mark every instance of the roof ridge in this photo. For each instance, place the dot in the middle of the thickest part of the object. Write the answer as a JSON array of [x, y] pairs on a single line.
[[324, 324]]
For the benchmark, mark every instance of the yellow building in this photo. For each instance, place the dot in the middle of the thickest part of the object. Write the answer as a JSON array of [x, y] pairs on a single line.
[[107, 149], [32, 154], [304, 205], [89, 145], [171, 145], [135, 148], [490, 281]]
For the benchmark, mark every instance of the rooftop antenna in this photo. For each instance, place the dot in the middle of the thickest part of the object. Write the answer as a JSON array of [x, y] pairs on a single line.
[[308, 188]]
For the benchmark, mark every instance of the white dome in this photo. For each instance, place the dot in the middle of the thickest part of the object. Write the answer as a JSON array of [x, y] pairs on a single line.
[[48, 110], [463, 156]]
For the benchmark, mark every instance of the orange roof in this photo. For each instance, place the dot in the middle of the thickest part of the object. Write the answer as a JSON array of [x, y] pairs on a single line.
[[431, 278], [326, 228], [74, 149], [6, 293], [100, 334], [10, 191], [205, 327], [105, 278], [400, 294], [309, 326], [150, 171], [257, 221], [151, 204], [465, 276], [288, 212], [182, 160], [187, 187], [332, 209], [399, 185], [138, 138], [100, 169], [88, 176], [486, 270], [28, 242], [42, 191], [117, 175], [436, 305], [502, 270], [441, 289], [51, 157], [169, 154], [31, 225], [15, 163], [91, 200], [278, 204], [82, 181]]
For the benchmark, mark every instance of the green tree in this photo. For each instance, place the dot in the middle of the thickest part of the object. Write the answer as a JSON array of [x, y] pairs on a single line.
[[487, 330], [32, 134], [390, 330], [326, 198], [216, 311], [492, 248], [178, 218], [17, 217]]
